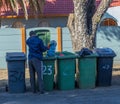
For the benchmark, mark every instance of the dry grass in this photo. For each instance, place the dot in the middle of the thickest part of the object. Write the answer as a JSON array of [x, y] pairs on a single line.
[[4, 76]]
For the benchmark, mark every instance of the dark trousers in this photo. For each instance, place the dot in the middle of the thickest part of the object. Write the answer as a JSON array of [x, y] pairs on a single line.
[[36, 68]]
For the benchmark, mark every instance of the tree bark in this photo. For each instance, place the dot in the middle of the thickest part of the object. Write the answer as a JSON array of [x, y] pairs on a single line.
[[102, 8], [83, 23]]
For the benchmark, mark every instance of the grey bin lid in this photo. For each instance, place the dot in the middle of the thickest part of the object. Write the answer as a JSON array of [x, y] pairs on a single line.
[[10, 56], [105, 52]]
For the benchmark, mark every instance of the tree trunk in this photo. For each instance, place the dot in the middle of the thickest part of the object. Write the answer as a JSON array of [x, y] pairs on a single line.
[[81, 26], [102, 8], [83, 23]]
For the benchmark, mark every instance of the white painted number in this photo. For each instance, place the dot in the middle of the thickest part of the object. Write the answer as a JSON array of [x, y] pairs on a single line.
[[106, 67], [47, 70]]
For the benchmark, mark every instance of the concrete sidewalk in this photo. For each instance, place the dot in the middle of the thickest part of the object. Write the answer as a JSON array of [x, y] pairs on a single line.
[[99, 95]]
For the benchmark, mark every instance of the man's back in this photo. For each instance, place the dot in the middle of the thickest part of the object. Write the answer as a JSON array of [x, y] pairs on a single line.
[[36, 47]]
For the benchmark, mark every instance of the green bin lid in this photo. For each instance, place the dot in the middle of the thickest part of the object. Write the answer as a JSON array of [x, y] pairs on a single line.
[[65, 55]]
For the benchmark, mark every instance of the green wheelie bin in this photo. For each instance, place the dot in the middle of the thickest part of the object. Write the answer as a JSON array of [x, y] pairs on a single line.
[[86, 74], [66, 65], [48, 72]]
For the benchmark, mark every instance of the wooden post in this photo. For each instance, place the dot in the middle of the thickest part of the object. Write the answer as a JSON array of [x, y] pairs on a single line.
[[23, 40], [59, 39]]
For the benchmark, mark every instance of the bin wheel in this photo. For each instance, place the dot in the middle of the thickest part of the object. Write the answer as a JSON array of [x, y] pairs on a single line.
[[76, 84], [55, 85], [6, 88]]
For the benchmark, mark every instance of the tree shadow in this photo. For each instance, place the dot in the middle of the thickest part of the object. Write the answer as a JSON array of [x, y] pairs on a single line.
[[110, 33]]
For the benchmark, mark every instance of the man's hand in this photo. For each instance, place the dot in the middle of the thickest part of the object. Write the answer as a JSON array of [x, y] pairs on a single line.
[[48, 46]]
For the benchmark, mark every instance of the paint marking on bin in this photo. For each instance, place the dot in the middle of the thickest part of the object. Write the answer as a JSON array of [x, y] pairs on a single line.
[[106, 67], [47, 69]]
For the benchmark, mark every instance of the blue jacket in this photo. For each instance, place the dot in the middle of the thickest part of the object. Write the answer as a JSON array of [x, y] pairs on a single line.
[[36, 47]]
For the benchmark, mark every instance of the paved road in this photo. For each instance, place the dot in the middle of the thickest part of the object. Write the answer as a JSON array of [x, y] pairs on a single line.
[[101, 95]]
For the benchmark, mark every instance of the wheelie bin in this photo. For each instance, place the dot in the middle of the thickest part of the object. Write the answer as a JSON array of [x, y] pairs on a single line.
[[66, 65], [86, 74], [48, 72], [104, 66], [16, 72]]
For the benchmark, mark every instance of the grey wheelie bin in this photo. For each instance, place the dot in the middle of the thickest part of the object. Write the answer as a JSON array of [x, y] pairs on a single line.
[[16, 72], [104, 66]]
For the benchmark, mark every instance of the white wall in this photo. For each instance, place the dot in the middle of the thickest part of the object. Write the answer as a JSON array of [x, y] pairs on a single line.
[[113, 12], [10, 41]]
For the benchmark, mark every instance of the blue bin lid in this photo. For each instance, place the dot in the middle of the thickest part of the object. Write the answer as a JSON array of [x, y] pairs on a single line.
[[10, 56], [105, 52]]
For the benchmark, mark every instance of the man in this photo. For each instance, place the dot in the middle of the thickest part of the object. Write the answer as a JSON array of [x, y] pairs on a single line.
[[36, 49]]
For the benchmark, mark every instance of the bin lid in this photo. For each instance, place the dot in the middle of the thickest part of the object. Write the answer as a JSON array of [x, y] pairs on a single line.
[[85, 52], [65, 55], [105, 52], [88, 56], [10, 56]]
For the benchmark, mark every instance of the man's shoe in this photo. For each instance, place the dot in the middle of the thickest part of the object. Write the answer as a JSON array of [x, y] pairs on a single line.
[[42, 92], [33, 90]]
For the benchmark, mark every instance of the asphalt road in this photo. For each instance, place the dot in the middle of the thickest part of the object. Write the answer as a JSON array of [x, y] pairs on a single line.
[[99, 95]]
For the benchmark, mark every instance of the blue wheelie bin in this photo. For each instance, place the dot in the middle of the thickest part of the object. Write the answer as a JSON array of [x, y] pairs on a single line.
[[16, 72], [104, 66]]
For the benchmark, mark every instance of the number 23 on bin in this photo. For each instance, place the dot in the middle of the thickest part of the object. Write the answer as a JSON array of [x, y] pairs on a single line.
[[47, 70]]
